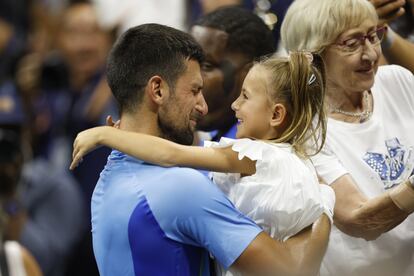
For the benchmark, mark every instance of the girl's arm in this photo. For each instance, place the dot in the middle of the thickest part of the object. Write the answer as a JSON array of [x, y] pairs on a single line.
[[160, 151]]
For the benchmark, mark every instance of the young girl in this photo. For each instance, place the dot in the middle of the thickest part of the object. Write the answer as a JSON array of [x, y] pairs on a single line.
[[279, 112]]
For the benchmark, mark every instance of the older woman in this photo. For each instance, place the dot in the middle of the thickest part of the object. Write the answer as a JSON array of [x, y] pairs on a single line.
[[369, 152]]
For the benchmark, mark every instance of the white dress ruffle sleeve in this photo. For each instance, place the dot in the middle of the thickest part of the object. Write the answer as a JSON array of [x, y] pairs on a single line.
[[282, 197]]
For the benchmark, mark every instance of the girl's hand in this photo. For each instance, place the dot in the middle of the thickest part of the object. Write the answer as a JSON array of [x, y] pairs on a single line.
[[85, 142]]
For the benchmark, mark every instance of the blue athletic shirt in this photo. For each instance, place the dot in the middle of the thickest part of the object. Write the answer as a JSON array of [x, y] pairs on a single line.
[[150, 220]]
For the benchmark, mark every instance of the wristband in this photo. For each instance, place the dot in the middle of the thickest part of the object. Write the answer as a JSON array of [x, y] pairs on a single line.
[[403, 195], [411, 181], [388, 40]]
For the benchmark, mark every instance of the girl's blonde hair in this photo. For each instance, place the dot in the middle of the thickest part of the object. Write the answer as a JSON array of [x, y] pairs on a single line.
[[312, 25], [298, 81]]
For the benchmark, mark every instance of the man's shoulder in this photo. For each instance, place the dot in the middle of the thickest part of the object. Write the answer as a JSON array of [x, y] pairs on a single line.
[[153, 179], [160, 185], [185, 174], [183, 181], [187, 187]]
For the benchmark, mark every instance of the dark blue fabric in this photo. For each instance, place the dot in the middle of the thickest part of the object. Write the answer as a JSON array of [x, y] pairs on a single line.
[[153, 253]]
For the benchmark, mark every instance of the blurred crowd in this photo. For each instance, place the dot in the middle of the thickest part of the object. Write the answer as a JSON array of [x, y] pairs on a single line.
[[52, 86]]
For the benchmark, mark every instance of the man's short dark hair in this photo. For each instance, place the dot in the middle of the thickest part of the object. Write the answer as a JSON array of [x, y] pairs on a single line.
[[142, 52], [247, 32]]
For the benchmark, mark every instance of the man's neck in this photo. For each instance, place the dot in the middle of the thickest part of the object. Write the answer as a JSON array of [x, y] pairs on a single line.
[[140, 122]]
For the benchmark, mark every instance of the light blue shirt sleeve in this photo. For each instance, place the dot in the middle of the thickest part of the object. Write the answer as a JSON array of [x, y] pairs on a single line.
[[192, 210]]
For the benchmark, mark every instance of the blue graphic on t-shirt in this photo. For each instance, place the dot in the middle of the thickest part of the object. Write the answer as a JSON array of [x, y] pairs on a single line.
[[392, 167]]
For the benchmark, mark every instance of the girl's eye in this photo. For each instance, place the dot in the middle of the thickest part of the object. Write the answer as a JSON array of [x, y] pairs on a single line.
[[244, 96]]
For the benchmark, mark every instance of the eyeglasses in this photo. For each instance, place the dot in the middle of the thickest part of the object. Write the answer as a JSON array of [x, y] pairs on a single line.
[[355, 44]]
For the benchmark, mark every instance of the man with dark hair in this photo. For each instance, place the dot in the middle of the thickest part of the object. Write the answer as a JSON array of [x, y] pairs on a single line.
[[152, 220], [129, 74], [231, 38]]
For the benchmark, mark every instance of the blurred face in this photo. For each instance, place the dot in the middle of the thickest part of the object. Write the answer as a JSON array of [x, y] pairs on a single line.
[[352, 71], [178, 118], [223, 74], [252, 108], [83, 44]]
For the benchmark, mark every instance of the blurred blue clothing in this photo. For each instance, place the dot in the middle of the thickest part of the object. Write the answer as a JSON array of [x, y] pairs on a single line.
[[55, 210], [10, 56], [231, 133], [11, 105], [151, 220]]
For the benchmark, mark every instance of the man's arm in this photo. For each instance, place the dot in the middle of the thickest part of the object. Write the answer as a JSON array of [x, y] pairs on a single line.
[[300, 255], [358, 216], [396, 49], [400, 51], [388, 10]]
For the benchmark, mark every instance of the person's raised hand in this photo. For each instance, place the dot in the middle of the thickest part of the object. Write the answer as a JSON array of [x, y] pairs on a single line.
[[85, 142], [388, 10]]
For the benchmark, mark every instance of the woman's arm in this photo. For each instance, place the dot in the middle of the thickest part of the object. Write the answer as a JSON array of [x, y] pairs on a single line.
[[358, 216], [160, 151]]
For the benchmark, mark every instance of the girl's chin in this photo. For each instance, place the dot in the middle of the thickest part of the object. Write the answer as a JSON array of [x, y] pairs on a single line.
[[241, 136]]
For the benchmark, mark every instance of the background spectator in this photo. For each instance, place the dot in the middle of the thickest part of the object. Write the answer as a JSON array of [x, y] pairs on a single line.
[[43, 202]]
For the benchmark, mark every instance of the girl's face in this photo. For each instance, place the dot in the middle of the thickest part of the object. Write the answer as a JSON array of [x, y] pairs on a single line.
[[253, 108]]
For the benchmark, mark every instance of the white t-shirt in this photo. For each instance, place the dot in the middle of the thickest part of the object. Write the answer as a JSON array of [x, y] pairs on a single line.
[[378, 154], [129, 13]]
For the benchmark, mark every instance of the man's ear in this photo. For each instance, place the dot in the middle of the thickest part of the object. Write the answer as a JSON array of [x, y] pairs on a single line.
[[279, 114], [157, 90]]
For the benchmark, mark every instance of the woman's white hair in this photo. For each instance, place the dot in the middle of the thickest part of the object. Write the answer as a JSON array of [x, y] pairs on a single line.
[[312, 25]]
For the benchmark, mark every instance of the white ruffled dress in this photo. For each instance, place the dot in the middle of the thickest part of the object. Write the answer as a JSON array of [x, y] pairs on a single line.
[[282, 197]]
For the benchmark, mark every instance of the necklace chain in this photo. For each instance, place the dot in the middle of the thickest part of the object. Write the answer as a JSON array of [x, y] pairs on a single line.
[[363, 114]]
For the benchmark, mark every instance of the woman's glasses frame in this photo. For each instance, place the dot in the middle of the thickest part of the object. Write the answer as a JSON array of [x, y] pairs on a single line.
[[356, 43]]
